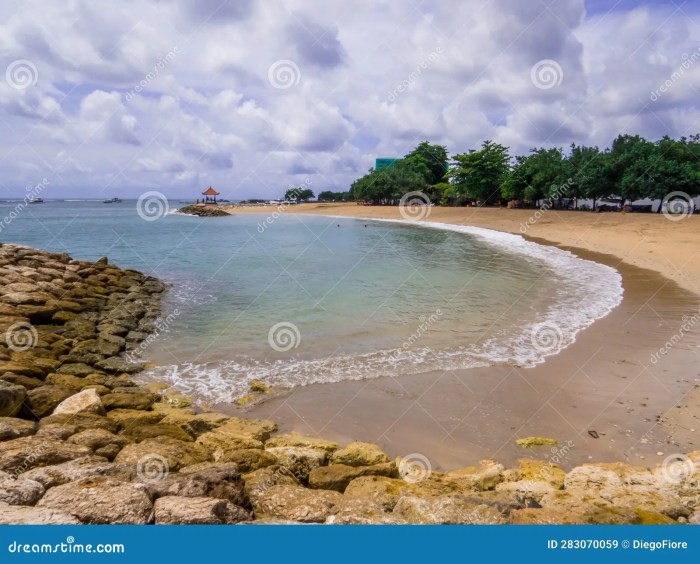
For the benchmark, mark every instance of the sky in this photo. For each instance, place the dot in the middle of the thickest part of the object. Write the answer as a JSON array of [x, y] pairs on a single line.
[[116, 98]]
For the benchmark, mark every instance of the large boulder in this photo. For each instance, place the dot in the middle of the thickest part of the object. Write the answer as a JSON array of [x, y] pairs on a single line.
[[11, 398], [484, 477], [128, 400], [249, 459], [14, 428], [337, 476], [80, 422], [297, 440], [296, 504], [43, 400], [300, 460], [138, 433], [101, 500], [87, 401], [447, 510], [85, 467], [19, 491], [173, 510], [220, 482], [259, 481], [359, 454], [101, 441], [162, 455], [17, 515], [25, 453]]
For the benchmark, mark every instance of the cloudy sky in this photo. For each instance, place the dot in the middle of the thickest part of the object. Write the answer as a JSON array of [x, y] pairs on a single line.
[[120, 97]]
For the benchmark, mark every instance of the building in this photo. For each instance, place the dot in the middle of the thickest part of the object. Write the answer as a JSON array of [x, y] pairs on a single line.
[[384, 163], [210, 196]]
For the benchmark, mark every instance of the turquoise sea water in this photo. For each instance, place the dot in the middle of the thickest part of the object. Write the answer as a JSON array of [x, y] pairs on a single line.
[[305, 299]]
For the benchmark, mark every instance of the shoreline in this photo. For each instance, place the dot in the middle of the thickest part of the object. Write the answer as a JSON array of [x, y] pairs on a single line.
[[104, 449], [638, 339]]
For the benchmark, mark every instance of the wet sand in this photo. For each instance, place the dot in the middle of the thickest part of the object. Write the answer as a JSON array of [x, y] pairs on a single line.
[[605, 385]]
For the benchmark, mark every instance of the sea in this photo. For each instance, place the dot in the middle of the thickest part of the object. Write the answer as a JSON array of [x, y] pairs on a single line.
[[293, 300]]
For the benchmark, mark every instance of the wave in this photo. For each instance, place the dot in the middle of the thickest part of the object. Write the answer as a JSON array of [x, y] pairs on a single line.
[[525, 346]]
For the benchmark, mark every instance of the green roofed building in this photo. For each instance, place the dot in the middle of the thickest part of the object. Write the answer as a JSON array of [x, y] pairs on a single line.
[[384, 163]]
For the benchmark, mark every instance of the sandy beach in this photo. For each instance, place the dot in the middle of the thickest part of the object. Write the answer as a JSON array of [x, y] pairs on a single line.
[[604, 395]]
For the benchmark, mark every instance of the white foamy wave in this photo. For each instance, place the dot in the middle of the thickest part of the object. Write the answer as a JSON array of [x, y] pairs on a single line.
[[571, 310]]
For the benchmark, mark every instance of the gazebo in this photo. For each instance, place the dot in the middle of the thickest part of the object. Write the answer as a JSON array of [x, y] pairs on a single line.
[[210, 195]]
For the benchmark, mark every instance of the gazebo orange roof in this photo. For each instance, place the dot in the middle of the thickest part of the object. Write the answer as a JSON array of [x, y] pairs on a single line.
[[210, 192]]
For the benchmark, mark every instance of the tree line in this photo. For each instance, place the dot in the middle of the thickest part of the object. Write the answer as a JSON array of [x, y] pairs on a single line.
[[632, 168]]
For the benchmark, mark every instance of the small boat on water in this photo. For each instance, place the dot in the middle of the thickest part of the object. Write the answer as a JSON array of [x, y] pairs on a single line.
[[34, 200], [112, 201]]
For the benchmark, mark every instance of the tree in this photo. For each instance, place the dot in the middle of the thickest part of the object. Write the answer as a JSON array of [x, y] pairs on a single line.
[[428, 160], [299, 194], [591, 173], [388, 185], [328, 196], [541, 174], [479, 174]]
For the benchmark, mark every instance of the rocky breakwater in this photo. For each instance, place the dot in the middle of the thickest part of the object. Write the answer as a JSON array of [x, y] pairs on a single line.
[[81, 442], [203, 210]]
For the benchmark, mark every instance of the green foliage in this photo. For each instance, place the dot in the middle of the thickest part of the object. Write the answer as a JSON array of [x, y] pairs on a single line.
[[328, 196], [299, 194], [388, 185], [479, 174], [428, 160]]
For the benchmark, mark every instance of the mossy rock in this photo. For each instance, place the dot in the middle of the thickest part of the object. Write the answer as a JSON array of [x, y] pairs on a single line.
[[530, 442], [653, 518]]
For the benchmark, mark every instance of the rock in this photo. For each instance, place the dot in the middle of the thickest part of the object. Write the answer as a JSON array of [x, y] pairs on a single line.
[[529, 489], [296, 504], [359, 454], [248, 460], [13, 428], [138, 433], [172, 510], [486, 476], [258, 481], [116, 365], [101, 500], [337, 476], [530, 442], [25, 453], [195, 425], [43, 400], [177, 454], [222, 443], [544, 516], [447, 510], [26, 381], [87, 401], [134, 417], [358, 511], [80, 422], [15, 515], [300, 460], [19, 491], [67, 381], [220, 482], [76, 369], [536, 471], [125, 400], [296, 440], [96, 439], [59, 474], [203, 211], [11, 398]]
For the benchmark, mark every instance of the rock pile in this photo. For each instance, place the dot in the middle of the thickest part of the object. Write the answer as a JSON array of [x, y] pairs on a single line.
[[203, 210], [81, 442]]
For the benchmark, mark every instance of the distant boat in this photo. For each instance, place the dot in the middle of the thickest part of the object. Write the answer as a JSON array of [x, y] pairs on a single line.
[[33, 200], [112, 201]]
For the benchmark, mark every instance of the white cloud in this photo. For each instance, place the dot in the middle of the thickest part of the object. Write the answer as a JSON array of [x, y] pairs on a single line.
[[175, 94]]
